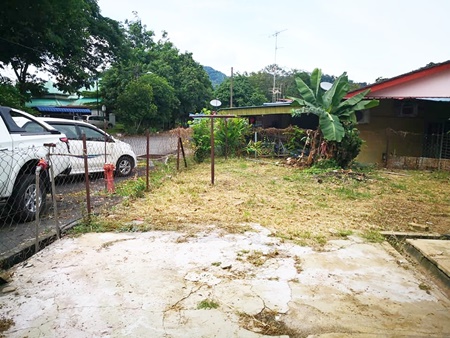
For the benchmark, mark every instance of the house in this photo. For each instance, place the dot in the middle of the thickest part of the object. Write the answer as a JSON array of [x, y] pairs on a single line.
[[409, 129], [411, 126], [58, 104]]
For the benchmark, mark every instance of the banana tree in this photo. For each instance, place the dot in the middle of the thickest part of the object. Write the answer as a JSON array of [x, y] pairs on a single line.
[[336, 137], [331, 108]]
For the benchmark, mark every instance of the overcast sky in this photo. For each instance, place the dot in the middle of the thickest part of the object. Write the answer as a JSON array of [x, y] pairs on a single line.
[[367, 39]]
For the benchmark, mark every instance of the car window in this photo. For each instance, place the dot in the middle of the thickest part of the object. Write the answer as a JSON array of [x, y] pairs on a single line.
[[92, 134], [68, 129], [33, 127]]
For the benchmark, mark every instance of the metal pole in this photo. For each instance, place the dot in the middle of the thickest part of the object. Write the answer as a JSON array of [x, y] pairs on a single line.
[[441, 146], [38, 206], [212, 149], [147, 165], [231, 88], [178, 151], [52, 177], [86, 176]]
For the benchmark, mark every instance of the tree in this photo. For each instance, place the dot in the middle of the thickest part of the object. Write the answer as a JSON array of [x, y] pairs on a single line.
[[186, 77], [164, 99], [136, 107], [68, 39], [336, 115], [244, 94]]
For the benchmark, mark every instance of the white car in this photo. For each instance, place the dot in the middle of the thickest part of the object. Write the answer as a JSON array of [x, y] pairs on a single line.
[[101, 147]]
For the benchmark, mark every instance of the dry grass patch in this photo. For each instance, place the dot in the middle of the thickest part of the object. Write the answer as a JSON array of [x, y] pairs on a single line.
[[308, 208]]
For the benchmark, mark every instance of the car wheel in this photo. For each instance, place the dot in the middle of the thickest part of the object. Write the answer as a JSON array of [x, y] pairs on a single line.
[[124, 166], [23, 198]]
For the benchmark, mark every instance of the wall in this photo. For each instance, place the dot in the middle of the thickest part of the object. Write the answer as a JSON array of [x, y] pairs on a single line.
[[388, 135]]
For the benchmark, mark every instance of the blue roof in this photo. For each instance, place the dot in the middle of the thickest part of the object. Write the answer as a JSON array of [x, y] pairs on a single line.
[[62, 110]]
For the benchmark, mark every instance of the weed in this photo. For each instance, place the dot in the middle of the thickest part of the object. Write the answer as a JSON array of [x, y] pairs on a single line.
[[373, 236], [131, 188], [425, 287], [216, 263], [5, 324], [207, 304], [344, 233]]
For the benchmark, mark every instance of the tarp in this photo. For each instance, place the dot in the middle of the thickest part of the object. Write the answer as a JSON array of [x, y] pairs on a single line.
[[63, 110]]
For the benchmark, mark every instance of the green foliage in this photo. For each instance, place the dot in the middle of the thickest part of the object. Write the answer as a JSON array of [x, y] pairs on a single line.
[[136, 107], [131, 188], [331, 108], [10, 96], [296, 138], [68, 39], [229, 136], [373, 236], [350, 146], [244, 94], [337, 138], [207, 304], [189, 88], [201, 137]]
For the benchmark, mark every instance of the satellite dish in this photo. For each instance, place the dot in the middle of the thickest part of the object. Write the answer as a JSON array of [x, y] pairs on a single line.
[[215, 103], [326, 85]]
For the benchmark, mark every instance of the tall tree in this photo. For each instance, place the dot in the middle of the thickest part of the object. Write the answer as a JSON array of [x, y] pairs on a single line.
[[187, 77], [68, 39], [244, 93]]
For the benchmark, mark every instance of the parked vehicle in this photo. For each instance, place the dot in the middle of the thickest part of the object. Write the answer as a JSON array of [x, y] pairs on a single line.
[[98, 121], [101, 147], [21, 149]]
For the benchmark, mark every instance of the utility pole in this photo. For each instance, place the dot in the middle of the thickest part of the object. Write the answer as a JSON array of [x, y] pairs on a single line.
[[231, 88], [275, 91]]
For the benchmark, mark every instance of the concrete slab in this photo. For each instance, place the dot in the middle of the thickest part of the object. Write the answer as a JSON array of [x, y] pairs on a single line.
[[214, 284], [437, 251]]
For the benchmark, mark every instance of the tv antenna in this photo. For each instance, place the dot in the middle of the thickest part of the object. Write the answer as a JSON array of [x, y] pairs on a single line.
[[275, 91]]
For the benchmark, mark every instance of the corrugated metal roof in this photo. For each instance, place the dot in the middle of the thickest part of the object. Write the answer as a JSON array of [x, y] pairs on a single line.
[[67, 110]]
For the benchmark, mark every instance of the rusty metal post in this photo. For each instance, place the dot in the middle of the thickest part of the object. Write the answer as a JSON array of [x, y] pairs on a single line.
[[180, 141], [86, 176], [226, 138], [52, 177], [212, 149], [38, 206], [147, 163], [178, 151]]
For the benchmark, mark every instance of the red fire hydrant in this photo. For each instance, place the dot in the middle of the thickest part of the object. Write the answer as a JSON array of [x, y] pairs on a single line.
[[109, 176]]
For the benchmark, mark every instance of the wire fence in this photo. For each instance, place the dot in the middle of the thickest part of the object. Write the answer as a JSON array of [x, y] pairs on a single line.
[[45, 198], [409, 150]]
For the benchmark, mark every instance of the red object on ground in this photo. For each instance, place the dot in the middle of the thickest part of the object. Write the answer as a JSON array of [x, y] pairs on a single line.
[[109, 177]]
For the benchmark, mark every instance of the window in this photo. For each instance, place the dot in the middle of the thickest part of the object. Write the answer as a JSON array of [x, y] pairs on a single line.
[[408, 109]]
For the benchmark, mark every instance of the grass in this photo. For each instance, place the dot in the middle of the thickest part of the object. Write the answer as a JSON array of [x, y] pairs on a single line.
[[207, 304], [307, 207]]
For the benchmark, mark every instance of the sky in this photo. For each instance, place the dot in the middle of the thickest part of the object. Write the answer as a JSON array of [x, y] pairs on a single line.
[[366, 39]]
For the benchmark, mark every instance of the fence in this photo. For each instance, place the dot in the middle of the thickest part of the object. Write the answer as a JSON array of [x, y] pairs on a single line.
[[408, 150], [27, 221]]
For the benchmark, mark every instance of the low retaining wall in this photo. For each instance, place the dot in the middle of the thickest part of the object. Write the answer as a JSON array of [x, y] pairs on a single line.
[[420, 163]]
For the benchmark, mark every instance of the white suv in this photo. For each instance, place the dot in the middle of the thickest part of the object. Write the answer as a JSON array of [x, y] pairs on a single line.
[[21, 149], [98, 121]]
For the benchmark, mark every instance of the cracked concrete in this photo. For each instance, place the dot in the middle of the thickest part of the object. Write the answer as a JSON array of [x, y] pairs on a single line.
[[150, 285]]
